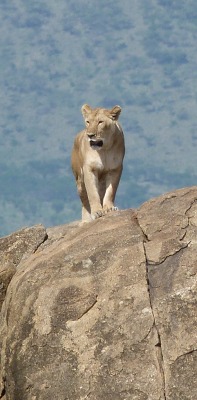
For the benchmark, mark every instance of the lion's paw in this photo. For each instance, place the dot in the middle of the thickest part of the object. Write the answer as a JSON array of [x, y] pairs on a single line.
[[114, 209], [108, 209], [97, 214]]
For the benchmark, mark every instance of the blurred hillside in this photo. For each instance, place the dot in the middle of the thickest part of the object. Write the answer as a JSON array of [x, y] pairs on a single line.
[[55, 56]]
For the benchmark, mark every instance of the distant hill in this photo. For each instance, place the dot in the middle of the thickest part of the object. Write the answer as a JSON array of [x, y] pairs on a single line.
[[57, 56]]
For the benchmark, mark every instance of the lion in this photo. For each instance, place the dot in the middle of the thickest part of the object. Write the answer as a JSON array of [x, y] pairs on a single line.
[[97, 160]]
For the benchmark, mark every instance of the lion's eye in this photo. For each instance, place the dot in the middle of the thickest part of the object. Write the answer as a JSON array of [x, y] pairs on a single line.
[[87, 122], [100, 122]]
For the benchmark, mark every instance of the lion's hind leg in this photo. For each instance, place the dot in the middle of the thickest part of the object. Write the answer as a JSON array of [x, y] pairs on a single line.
[[86, 212]]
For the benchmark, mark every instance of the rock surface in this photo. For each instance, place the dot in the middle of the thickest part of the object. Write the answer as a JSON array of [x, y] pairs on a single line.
[[104, 310], [15, 248]]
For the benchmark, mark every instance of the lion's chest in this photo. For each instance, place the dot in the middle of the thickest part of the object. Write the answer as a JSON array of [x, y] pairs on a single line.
[[94, 161], [102, 161]]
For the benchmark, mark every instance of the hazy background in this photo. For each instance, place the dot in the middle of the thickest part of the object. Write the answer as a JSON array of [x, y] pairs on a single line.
[[57, 55]]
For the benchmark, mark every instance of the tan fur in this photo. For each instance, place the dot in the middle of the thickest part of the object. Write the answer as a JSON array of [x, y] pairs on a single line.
[[98, 169]]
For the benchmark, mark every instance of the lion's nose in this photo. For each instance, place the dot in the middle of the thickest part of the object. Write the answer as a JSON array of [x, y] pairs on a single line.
[[91, 135]]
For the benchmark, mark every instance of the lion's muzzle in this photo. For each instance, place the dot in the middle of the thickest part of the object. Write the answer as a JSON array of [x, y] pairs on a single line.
[[96, 144]]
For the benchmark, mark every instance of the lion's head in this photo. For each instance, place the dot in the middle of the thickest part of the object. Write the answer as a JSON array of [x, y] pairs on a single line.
[[100, 125]]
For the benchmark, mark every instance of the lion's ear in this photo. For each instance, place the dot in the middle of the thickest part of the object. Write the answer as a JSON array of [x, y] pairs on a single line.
[[115, 112], [85, 109]]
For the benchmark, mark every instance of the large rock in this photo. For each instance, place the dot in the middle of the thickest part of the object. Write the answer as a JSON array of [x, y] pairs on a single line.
[[106, 310], [13, 249]]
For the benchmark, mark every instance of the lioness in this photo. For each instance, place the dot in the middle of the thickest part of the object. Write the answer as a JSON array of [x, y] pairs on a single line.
[[97, 160]]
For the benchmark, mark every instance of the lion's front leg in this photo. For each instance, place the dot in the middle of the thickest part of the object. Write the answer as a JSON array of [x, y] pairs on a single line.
[[92, 187], [112, 181]]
